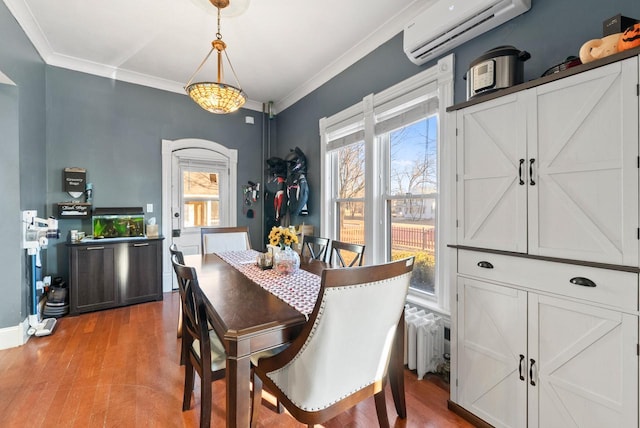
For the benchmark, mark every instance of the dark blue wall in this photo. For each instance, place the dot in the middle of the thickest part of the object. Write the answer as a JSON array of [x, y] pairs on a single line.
[[22, 171], [550, 31], [118, 140]]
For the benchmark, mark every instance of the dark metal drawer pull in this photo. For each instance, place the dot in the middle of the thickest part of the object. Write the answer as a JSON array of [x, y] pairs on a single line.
[[95, 248], [531, 182], [585, 282], [520, 172], [520, 367], [531, 380], [485, 265], [146, 244]]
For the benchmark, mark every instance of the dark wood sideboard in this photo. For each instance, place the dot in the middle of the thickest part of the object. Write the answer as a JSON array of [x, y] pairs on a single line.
[[109, 273]]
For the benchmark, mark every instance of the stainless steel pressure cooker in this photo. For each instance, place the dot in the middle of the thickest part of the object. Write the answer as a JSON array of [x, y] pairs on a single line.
[[497, 68]]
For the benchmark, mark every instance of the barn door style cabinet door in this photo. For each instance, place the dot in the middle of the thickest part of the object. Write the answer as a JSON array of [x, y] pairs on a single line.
[[530, 359], [553, 170]]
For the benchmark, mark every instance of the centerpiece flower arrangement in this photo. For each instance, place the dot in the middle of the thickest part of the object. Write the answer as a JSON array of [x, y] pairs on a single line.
[[286, 260]]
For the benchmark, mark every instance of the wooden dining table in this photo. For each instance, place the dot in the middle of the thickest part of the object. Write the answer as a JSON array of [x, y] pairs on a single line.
[[250, 319]]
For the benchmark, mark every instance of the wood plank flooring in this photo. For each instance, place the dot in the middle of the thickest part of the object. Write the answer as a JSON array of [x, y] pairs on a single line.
[[119, 368]]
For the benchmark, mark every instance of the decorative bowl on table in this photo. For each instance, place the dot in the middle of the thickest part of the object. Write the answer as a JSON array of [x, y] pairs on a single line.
[[286, 261]]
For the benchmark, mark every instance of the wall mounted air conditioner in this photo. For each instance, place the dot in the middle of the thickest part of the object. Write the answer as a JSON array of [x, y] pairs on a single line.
[[448, 23]]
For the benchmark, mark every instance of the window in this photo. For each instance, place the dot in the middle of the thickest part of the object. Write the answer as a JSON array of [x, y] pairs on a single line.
[[350, 193], [200, 198], [411, 197], [383, 178]]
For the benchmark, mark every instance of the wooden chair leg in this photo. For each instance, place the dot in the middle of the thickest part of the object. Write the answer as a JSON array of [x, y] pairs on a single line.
[[188, 385], [381, 409], [256, 400], [205, 399], [179, 334], [184, 351]]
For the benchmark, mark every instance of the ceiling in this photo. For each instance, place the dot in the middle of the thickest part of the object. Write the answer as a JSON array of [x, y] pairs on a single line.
[[280, 49]]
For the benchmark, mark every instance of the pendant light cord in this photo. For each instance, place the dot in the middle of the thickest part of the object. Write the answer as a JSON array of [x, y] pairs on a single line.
[[233, 71]]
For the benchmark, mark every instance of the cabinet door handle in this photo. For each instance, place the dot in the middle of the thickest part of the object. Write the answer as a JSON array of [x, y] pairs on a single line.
[[585, 282], [531, 182], [95, 248], [520, 172], [520, 367], [144, 244], [532, 362], [485, 265]]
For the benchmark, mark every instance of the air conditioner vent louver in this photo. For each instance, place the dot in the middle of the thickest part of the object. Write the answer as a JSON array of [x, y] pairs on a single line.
[[449, 23], [425, 55]]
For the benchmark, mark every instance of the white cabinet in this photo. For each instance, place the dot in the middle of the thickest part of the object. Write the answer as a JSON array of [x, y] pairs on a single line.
[[529, 358], [553, 170], [545, 328], [492, 351]]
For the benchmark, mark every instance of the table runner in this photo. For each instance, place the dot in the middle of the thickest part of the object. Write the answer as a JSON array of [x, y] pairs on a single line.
[[299, 289]]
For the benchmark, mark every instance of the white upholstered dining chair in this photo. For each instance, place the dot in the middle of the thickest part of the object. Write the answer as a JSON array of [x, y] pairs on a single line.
[[342, 354], [216, 239]]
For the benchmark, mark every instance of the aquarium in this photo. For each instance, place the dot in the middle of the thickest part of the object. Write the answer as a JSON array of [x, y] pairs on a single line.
[[118, 222]]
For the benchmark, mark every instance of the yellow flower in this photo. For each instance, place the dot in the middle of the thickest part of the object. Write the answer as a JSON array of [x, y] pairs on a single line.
[[282, 236]]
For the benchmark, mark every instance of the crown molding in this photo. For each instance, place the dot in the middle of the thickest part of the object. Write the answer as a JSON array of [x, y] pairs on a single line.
[[385, 32], [381, 35]]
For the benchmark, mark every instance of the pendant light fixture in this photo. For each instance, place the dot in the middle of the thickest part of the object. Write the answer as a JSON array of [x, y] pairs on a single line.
[[217, 97]]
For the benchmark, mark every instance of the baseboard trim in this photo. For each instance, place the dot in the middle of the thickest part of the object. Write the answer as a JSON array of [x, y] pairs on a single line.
[[10, 337], [467, 415]]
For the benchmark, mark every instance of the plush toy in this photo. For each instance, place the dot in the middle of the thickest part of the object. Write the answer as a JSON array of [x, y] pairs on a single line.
[[599, 48], [630, 38]]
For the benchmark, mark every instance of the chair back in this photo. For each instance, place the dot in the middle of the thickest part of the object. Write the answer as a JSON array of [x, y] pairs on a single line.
[[346, 254], [216, 239], [345, 346], [315, 246], [174, 251], [195, 326]]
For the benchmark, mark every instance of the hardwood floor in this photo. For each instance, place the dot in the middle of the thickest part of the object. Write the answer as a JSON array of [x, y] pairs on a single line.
[[119, 368]]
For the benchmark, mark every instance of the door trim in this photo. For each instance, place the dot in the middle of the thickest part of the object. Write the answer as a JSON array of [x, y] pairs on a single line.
[[168, 147]]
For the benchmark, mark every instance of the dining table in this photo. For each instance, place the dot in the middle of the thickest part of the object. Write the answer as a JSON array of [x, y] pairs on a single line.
[[254, 310]]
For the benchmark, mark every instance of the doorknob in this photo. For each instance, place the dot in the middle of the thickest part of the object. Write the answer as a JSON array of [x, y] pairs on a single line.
[[176, 215]]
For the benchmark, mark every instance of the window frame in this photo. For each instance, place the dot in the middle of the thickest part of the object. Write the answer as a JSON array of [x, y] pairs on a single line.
[[360, 121]]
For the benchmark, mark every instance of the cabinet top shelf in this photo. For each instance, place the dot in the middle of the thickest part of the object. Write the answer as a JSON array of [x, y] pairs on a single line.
[[546, 79]]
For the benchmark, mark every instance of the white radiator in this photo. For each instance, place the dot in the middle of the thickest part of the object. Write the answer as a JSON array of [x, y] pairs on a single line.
[[423, 340]]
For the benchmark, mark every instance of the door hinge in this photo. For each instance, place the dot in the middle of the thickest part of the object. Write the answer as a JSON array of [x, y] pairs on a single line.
[[456, 178], [457, 223], [456, 132], [638, 89], [456, 297], [638, 162], [637, 348], [456, 381], [638, 233]]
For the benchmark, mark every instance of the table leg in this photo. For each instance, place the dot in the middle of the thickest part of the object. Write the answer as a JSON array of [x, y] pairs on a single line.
[[396, 370], [238, 376]]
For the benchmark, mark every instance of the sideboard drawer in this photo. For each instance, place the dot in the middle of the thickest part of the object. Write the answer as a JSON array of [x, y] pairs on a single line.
[[601, 286]]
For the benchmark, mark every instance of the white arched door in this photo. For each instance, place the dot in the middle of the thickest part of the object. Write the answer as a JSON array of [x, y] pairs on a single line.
[[199, 188]]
